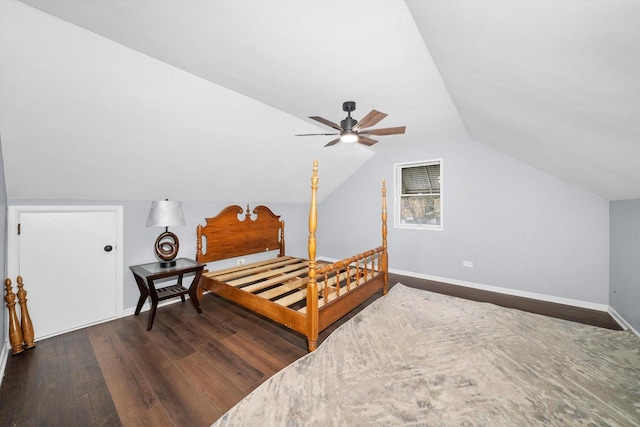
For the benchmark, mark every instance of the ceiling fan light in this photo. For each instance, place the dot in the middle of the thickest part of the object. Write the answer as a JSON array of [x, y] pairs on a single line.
[[349, 137]]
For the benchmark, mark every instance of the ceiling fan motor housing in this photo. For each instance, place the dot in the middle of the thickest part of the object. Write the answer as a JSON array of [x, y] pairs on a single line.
[[349, 106], [348, 123]]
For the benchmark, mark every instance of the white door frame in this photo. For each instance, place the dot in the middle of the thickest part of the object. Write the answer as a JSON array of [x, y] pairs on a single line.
[[13, 243]]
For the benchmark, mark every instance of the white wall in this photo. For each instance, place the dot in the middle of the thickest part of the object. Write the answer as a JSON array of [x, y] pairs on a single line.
[[3, 261], [624, 293], [525, 231]]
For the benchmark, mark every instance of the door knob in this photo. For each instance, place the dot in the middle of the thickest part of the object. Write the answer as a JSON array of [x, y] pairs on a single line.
[[108, 248]]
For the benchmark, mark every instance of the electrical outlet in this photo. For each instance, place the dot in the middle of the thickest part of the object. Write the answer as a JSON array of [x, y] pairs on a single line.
[[467, 263], [241, 261]]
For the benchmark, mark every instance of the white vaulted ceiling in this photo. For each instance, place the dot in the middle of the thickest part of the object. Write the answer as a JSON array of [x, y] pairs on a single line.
[[200, 100], [553, 83]]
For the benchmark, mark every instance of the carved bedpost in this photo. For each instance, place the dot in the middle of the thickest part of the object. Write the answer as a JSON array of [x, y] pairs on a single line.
[[200, 291], [282, 247], [25, 318], [385, 256], [199, 243], [312, 285], [15, 331]]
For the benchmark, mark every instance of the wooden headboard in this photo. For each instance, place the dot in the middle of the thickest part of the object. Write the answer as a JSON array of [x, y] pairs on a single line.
[[226, 236]]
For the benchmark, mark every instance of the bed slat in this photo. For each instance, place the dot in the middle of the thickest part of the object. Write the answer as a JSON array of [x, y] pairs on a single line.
[[239, 271], [284, 288], [274, 281], [263, 274]]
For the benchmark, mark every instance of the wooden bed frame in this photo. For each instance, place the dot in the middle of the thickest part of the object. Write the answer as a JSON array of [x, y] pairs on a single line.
[[303, 295]]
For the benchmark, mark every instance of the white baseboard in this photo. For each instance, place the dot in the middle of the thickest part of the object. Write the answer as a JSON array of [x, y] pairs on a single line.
[[622, 322], [4, 356], [506, 291]]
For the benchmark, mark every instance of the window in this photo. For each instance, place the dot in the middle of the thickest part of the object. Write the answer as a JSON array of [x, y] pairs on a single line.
[[418, 195]]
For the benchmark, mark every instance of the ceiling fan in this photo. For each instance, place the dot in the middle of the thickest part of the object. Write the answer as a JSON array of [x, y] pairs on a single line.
[[350, 130]]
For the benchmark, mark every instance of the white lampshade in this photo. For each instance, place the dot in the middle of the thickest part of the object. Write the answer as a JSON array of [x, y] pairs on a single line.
[[165, 213]]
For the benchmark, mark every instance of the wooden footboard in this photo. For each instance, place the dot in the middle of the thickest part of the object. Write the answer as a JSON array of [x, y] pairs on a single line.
[[348, 283]]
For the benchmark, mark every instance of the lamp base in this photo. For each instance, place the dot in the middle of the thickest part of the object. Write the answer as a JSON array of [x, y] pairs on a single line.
[[167, 264], [167, 248]]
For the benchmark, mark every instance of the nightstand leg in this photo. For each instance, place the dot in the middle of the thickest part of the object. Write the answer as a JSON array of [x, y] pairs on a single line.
[[144, 293], [180, 284], [154, 303], [193, 292], [152, 314]]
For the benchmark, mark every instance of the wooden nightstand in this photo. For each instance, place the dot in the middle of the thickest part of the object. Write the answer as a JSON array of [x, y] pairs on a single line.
[[146, 274]]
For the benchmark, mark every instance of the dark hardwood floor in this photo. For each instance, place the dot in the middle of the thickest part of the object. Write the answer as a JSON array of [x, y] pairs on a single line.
[[187, 371]]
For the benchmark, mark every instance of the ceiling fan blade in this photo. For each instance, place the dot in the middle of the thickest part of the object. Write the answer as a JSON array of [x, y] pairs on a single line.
[[370, 119], [334, 142], [313, 134], [366, 140], [385, 131], [325, 122]]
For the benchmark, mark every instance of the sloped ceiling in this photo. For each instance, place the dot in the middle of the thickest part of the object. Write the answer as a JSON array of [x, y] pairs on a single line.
[[200, 100], [553, 83]]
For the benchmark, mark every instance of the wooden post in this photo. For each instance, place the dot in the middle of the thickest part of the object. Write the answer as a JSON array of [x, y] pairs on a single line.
[[385, 256], [199, 253], [25, 319], [15, 333], [312, 285], [282, 244]]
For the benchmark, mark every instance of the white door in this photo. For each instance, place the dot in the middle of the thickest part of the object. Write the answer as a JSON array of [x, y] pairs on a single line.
[[69, 264]]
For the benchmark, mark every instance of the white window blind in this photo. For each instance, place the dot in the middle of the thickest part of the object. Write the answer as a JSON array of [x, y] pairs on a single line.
[[418, 195]]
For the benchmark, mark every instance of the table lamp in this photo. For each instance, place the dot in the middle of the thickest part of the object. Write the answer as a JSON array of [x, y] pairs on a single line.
[[166, 213]]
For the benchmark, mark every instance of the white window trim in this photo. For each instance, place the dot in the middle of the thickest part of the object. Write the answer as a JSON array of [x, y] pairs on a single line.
[[397, 177]]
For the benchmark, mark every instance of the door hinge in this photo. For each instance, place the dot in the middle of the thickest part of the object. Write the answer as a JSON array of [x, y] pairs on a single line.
[[18, 229]]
